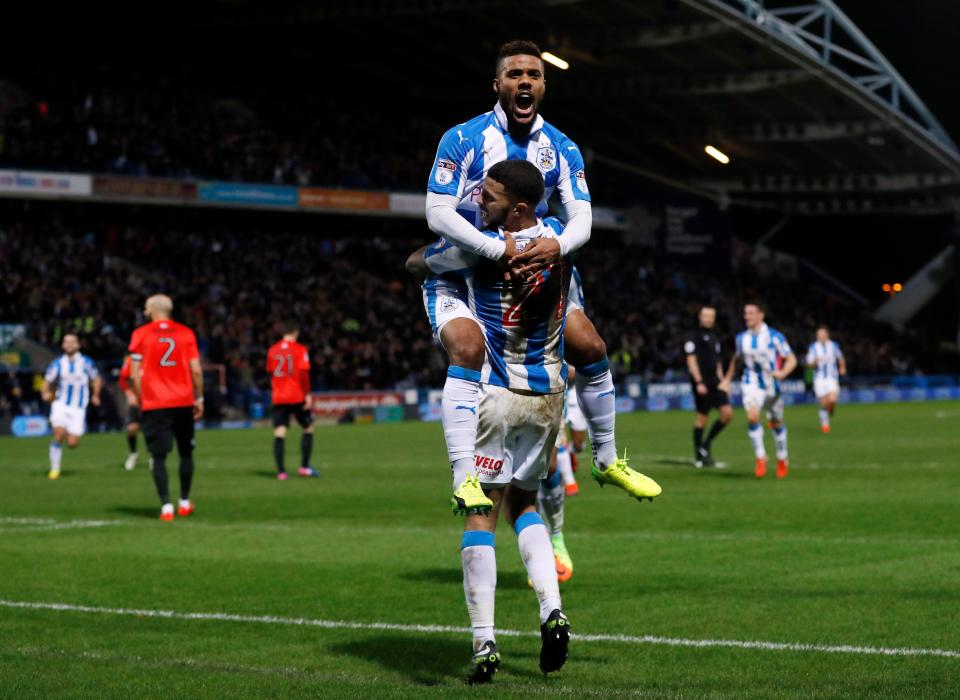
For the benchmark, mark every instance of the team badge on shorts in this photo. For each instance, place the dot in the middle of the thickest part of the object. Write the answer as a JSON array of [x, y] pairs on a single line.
[[448, 304], [581, 179], [546, 158], [445, 171]]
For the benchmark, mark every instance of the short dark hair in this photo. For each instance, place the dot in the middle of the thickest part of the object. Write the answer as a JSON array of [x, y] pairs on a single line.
[[289, 326], [518, 47], [520, 178], [757, 303]]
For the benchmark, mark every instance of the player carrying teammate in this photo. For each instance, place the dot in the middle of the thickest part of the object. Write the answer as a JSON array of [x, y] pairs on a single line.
[[767, 360], [166, 376], [514, 130], [521, 403], [709, 384], [134, 416], [829, 364], [288, 363], [77, 383]]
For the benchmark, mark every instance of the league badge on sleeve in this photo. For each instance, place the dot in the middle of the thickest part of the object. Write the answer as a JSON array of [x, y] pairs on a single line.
[[546, 158], [444, 172], [581, 179]]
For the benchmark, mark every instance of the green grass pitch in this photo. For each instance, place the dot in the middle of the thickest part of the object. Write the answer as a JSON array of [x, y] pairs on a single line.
[[859, 546]]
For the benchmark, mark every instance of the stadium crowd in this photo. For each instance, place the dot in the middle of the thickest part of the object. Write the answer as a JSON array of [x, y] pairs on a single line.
[[296, 140], [362, 315]]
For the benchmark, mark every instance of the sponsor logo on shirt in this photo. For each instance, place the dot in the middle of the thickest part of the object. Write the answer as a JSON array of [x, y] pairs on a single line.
[[581, 179], [444, 172]]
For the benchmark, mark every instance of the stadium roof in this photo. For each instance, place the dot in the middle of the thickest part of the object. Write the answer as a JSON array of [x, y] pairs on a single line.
[[811, 114]]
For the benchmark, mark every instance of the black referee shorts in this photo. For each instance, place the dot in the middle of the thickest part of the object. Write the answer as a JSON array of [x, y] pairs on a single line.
[[714, 398], [283, 411], [162, 426]]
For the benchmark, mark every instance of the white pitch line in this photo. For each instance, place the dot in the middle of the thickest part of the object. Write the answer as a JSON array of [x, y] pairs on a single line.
[[45, 524], [445, 629]]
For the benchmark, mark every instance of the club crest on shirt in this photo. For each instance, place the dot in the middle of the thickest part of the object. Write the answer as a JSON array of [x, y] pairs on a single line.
[[581, 179], [546, 158], [444, 172], [448, 304]]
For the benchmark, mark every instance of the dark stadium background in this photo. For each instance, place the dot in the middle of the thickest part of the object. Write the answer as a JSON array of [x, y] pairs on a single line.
[[370, 86]]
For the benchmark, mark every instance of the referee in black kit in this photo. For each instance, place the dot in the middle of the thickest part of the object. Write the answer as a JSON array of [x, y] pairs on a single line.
[[710, 388]]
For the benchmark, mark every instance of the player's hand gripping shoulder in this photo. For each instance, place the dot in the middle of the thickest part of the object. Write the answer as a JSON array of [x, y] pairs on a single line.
[[538, 255]]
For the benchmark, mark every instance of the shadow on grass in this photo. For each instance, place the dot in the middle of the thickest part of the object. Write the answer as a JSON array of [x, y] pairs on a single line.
[[269, 474], [138, 511], [425, 660], [512, 580]]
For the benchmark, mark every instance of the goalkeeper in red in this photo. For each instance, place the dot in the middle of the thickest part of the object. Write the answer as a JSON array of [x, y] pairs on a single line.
[[288, 363]]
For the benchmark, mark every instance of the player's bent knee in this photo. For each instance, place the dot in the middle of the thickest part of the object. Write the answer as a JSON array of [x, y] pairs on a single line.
[[280, 432], [463, 340]]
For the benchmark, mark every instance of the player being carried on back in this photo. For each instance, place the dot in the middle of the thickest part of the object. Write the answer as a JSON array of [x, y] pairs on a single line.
[[514, 130], [521, 387]]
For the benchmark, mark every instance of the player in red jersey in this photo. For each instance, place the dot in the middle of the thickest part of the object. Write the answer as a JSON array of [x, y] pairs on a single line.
[[288, 363], [167, 379], [134, 415]]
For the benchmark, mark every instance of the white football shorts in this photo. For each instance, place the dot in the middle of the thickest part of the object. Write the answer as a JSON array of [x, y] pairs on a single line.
[[70, 418], [515, 437], [824, 386], [764, 401]]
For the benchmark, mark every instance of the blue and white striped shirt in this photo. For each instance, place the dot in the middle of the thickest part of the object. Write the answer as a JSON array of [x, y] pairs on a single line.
[[468, 151], [522, 323], [826, 358], [72, 377], [762, 352]]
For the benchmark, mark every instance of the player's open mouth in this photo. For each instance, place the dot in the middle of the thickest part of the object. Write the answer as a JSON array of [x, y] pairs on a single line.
[[523, 105]]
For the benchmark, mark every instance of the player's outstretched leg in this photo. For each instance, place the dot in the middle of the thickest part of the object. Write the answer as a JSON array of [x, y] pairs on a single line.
[[479, 562], [586, 350], [459, 408]]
